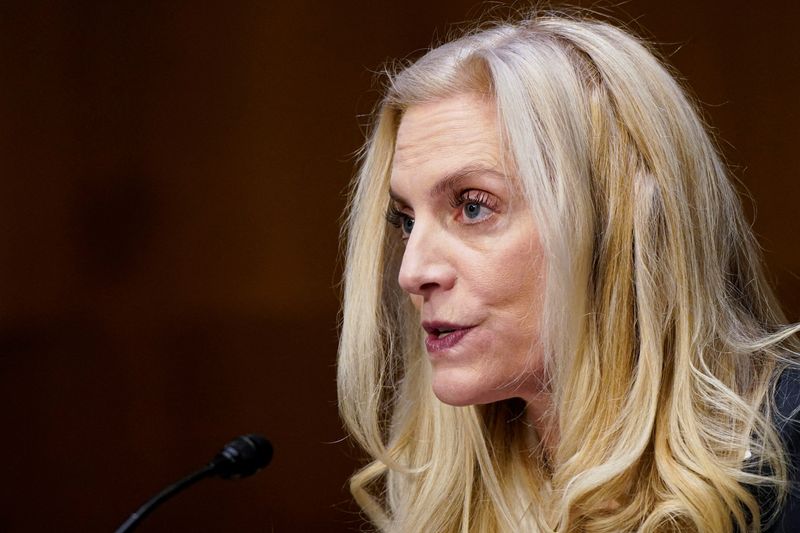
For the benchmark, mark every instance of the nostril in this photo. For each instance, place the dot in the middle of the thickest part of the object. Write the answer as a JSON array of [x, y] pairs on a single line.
[[428, 286]]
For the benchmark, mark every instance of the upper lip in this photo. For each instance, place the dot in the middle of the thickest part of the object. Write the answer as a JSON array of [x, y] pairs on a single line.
[[436, 327]]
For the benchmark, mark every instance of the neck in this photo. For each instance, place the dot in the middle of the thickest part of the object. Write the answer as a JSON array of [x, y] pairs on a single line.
[[543, 421]]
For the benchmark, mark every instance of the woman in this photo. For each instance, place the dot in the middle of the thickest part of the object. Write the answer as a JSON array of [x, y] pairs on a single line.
[[568, 328]]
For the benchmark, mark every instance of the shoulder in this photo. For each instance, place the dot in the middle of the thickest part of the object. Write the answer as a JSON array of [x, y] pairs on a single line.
[[787, 410], [787, 421]]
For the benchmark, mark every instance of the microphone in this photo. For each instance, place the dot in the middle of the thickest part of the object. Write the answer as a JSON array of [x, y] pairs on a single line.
[[241, 457]]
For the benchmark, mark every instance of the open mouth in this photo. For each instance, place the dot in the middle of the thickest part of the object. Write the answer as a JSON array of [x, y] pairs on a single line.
[[442, 333], [443, 336]]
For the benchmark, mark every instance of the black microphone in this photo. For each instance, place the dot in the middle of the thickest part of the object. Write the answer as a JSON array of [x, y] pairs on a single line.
[[241, 457]]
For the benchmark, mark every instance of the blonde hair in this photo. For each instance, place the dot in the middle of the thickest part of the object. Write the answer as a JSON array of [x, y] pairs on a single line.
[[662, 338]]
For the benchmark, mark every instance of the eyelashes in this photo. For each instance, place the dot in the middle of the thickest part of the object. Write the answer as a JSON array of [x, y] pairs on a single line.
[[394, 216], [473, 196]]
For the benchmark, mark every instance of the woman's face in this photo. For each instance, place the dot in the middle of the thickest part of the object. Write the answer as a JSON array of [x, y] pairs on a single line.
[[473, 263]]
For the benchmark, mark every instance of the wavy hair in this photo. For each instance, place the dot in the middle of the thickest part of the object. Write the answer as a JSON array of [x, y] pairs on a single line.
[[662, 338]]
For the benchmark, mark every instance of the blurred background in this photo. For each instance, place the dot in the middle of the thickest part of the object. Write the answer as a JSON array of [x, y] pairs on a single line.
[[172, 177]]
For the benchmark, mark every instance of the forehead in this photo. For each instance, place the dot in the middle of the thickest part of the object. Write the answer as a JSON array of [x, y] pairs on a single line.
[[457, 130]]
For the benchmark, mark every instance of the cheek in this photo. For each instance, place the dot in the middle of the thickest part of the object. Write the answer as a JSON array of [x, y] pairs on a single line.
[[511, 280], [416, 301]]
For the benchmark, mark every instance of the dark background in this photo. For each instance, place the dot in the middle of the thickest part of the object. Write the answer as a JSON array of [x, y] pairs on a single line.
[[171, 182]]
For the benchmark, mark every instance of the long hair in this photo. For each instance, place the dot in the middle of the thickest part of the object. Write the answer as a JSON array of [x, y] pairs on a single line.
[[662, 339]]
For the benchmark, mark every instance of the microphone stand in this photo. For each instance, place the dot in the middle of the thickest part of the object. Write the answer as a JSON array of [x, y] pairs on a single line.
[[163, 496]]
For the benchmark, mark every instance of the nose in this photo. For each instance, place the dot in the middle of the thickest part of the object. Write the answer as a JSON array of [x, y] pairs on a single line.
[[425, 268]]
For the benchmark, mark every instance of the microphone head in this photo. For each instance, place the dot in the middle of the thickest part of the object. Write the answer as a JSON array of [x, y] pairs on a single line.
[[242, 457]]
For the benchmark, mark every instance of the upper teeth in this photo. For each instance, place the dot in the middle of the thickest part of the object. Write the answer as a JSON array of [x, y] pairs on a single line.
[[445, 332]]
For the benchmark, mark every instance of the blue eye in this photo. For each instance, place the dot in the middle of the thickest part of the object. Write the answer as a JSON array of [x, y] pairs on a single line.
[[474, 205], [408, 225], [398, 219], [472, 210]]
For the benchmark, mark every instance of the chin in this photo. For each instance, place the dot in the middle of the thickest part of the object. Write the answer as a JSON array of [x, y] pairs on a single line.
[[460, 387]]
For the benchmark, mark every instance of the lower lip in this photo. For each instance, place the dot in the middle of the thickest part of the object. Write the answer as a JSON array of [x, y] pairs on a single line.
[[434, 344]]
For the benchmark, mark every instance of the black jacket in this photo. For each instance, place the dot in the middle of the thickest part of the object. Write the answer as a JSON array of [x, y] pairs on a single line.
[[787, 420]]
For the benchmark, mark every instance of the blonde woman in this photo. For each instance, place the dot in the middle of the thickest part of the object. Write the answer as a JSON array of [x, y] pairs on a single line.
[[564, 325]]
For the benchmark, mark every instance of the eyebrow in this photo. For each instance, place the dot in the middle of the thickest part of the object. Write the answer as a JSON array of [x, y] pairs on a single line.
[[451, 180]]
